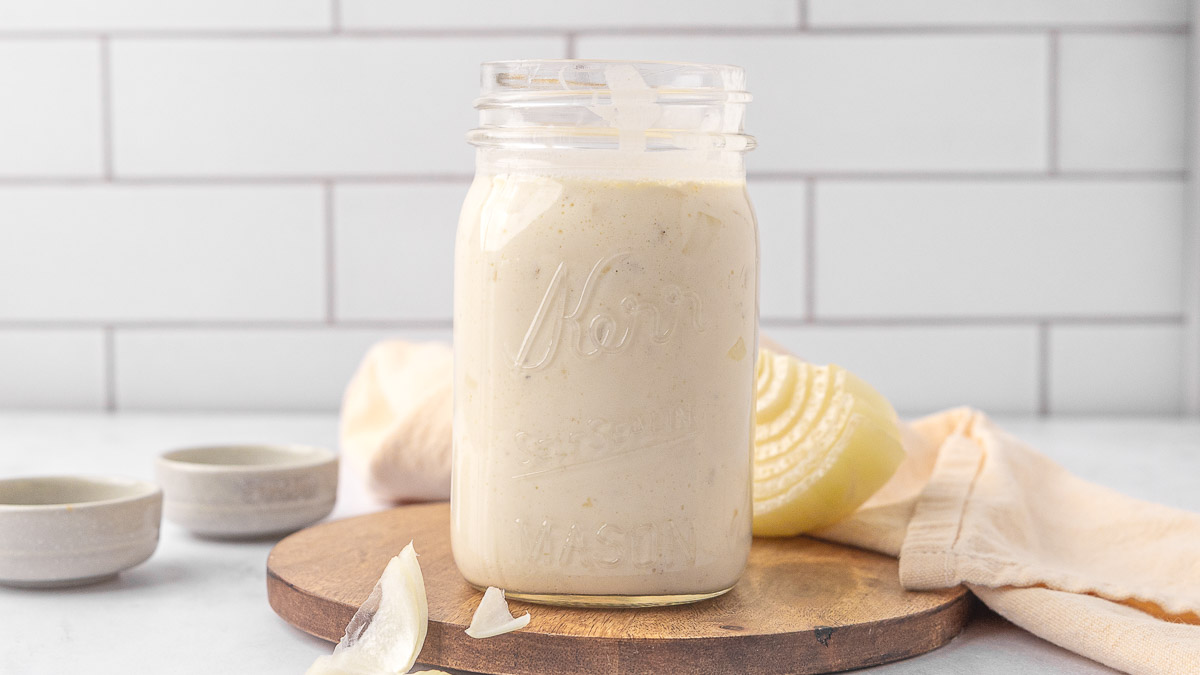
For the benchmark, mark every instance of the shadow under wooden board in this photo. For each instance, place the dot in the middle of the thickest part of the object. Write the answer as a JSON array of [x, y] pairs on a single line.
[[803, 606]]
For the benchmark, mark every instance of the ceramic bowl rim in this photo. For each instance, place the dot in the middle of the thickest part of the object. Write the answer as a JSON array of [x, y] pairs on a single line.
[[139, 490], [317, 457]]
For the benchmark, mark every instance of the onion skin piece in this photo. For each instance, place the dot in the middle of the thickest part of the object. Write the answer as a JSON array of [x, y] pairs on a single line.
[[385, 636], [493, 617]]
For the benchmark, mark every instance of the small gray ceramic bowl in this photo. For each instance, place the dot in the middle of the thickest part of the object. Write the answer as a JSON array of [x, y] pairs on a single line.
[[238, 491], [73, 530]]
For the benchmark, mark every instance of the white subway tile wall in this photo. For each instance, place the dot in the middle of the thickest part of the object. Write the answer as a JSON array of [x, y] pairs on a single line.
[[50, 110], [53, 368], [1121, 103], [300, 106], [1010, 249], [133, 15], [394, 248], [221, 205], [304, 369], [781, 208], [1037, 13], [924, 368], [1116, 369], [113, 253], [867, 103], [567, 16]]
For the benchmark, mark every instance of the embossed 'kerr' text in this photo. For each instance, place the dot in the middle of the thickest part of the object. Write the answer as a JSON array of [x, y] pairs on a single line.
[[592, 331]]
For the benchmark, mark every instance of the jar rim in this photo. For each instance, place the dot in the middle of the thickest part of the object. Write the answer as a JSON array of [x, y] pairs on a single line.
[[633, 62], [606, 104], [534, 82]]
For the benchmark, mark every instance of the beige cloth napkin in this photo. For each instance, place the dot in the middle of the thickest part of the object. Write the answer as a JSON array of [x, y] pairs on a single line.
[[396, 421], [1104, 575]]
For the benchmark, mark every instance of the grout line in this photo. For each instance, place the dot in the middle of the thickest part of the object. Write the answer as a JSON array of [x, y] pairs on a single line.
[[1191, 238], [950, 321], [776, 321], [571, 48], [649, 31], [810, 250], [335, 15], [106, 116], [465, 178], [374, 324], [110, 369], [330, 256], [967, 175], [225, 324], [1052, 103], [1043, 365], [802, 14]]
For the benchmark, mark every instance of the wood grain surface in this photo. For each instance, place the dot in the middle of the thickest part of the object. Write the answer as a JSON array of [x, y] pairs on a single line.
[[803, 606]]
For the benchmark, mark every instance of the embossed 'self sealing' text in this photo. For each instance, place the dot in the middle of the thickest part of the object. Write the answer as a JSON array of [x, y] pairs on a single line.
[[600, 439]]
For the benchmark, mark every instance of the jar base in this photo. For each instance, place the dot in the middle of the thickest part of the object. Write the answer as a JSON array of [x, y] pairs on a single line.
[[611, 601]]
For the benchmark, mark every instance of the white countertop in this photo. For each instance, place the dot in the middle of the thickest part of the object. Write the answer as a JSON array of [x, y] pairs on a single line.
[[199, 607]]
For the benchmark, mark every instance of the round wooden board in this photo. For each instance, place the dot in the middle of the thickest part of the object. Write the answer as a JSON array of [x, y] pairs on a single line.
[[803, 606]]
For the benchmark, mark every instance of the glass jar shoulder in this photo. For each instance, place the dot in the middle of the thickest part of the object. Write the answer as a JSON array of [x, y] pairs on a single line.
[[539, 213]]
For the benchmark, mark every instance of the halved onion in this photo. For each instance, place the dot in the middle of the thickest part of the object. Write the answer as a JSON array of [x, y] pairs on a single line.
[[825, 441]]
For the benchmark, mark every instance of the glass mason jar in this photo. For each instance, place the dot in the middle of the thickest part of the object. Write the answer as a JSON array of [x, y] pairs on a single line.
[[605, 333]]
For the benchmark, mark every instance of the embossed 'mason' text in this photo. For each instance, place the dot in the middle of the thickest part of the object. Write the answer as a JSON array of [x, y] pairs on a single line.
[[654, 547], [593, 332]]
